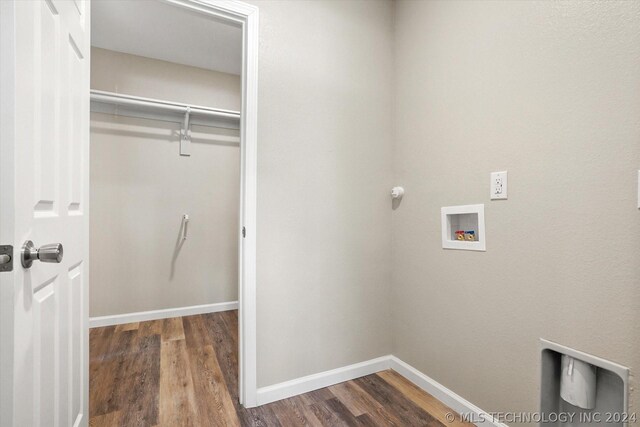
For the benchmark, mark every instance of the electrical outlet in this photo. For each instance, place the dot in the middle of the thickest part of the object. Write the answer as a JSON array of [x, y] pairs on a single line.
[[499, 185]]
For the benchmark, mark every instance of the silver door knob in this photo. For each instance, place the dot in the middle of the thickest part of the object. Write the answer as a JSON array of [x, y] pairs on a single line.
[[52, 252]]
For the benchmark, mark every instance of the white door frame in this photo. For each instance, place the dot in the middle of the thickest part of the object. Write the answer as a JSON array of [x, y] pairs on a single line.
[[244, 16]]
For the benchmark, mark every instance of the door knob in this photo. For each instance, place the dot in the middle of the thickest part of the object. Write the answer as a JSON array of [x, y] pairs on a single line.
[[46, 253]]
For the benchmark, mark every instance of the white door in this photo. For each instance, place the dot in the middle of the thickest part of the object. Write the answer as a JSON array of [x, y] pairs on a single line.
[[44, 136]]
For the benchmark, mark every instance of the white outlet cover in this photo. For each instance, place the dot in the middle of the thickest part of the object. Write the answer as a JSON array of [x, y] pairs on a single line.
[[498, 185]]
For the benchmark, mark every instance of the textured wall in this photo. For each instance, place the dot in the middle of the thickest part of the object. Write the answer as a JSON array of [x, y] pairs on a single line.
[[549, 91], [324, 176], [141, 186]]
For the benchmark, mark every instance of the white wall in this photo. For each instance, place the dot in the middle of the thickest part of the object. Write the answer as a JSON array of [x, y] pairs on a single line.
[[549, 91], [324, 176], [141, 186]]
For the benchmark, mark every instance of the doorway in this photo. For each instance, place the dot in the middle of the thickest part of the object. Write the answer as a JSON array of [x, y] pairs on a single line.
[[166, 186]]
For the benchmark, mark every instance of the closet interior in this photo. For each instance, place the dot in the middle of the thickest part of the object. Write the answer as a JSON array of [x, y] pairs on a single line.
[[165, 202]]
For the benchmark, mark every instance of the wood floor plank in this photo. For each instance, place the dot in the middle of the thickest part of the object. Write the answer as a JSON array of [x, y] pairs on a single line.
[[99, 342], [107, 379], [196, 332], [101, 384], [298, 406], [289, 415], [354, 398], [134, 418], [229, 321], [107, 420], [199, 335], [142, 382], [262, 416], [363, 406], [341, 411], [177, 396], [127, 327], [418, 396], [316, 396], [365, 420], [331, 413], [226, 353], [405, 410], [172, 329], [215, 406], [150, 327]]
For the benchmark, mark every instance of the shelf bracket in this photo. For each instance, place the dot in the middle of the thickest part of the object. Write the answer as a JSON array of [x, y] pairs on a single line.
[[185, 137]]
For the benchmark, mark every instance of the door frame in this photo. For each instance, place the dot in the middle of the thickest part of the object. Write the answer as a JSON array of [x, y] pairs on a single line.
[[244, 16]]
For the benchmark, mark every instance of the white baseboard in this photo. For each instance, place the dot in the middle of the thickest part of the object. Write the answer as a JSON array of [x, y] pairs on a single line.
[[142, 316], [328, 378], [309, 383], [443, 394]]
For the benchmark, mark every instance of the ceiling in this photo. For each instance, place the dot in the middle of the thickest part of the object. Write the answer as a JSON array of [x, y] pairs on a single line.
[[158, 30]]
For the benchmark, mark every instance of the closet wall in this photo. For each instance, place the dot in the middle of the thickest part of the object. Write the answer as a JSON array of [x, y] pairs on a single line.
[[141, 187]]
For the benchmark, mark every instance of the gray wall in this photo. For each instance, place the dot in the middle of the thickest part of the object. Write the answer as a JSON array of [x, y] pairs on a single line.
[[549, 91], [141, 186], [324, 176]]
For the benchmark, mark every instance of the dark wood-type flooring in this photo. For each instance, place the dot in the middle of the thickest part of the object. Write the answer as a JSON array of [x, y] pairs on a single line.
[[183, 372]]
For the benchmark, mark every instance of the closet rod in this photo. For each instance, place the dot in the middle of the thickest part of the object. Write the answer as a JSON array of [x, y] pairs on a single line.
[[156, 104]]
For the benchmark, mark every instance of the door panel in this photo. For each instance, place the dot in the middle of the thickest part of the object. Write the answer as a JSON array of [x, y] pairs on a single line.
[[75, 359], [45, 312], [46, 113], [49, 184], [73, 133]]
